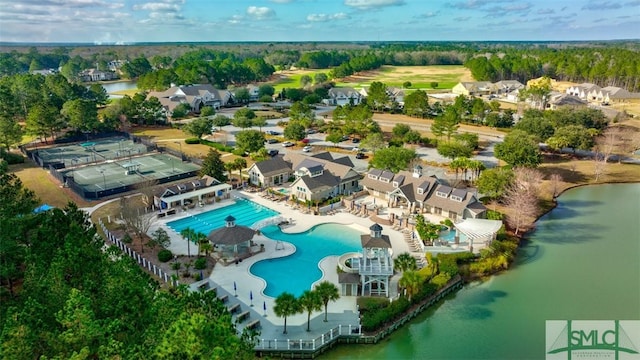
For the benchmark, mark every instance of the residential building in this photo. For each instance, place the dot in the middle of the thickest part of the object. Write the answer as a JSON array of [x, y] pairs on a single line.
[[254, 92], [315, 177], [197, 96], [474, 88], [320, 176], [340, 96], [582, 90], [420, 193], [505, 87], [90, 75], [271, 172], [612, 94], [559, 100]]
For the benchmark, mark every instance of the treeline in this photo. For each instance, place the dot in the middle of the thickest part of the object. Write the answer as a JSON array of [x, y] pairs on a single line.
[[65, 296], [603, 66]]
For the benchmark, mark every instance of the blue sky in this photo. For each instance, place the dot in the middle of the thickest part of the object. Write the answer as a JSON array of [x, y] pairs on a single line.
[[126, 21]]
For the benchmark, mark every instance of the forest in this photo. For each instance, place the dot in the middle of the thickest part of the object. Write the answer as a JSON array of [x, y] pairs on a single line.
[[612, 63], [65, 295]]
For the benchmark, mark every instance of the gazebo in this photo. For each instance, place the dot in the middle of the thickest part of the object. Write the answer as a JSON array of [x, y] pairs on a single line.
[[233, 241], [479, 232]]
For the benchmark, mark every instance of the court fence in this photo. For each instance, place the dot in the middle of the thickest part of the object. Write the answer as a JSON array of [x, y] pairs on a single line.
[[69, 182]]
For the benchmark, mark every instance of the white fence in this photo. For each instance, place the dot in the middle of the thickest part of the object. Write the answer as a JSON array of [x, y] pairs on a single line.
[[141, 260]]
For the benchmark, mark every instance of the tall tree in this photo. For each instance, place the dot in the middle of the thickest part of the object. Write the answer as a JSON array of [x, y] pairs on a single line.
[[393, 158], [310, 301], [213, 166], [10, 132], [44, 120], [446, 124], [286, 305], [81, 114], [377, 95], [294, 131], [249, 140], [494, 182], [521, 198], [519, 149], [199, 127], [416, 104], [327, 292]]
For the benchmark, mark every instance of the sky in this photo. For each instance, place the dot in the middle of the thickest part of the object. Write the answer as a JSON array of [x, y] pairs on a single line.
[[130, 21]]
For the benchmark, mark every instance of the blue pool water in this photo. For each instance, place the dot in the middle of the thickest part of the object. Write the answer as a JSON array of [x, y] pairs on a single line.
[[450, 236], [246, 213], [297, 272]]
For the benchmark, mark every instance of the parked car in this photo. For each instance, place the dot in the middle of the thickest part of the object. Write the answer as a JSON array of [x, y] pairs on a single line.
[[345, 138], [305, 141], [272, 141], [271, 132], [311, 131], [360, 155], [355, 140], [307, 148], [287, 144], [273, 152]]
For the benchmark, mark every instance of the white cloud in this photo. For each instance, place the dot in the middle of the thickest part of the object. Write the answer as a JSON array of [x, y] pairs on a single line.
[[260, 13], [157, 7], [326, 17], [372, 4]]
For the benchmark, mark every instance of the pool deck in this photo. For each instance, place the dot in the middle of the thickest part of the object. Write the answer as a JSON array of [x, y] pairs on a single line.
[[344, 311]]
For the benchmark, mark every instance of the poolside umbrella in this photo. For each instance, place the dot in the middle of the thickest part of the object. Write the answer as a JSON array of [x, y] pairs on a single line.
[[235, 289], [42, 208], [264, 306], [251, 297]]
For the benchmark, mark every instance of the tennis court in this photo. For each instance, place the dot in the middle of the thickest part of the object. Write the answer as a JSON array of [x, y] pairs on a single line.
[[91, 152], [116, 176]]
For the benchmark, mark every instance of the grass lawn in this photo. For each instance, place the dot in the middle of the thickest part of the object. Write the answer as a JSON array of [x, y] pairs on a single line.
[[130, 92], [45, 186], [421, 77], [291, 78]]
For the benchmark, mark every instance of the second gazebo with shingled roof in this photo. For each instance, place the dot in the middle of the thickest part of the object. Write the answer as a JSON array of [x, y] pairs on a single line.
[[232, 241]]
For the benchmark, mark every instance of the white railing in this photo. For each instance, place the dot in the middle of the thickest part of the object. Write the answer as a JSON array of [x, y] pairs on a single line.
[[310, 344], [274, 220]]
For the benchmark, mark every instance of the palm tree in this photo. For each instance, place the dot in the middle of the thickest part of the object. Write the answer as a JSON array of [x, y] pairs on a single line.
[[405, 262], [286, 305], [206, 247], [239, 164], [411, 282], [310, 301], [200, 238], [327, 292], [188, 234], [230, 166]]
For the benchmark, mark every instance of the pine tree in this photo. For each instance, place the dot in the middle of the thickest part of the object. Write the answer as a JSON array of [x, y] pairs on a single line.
[[213, 166]]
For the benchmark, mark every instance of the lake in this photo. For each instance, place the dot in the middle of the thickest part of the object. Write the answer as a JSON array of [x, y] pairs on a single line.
[[581, 263]]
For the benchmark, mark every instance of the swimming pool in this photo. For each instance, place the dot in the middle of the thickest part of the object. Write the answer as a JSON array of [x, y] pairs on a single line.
[[450, 236], [246, 213], [297, 272]]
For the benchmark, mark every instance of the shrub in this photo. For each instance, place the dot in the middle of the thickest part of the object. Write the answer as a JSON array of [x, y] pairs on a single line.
[[440, 280], [216, 145], [266, 98], [192, 141], [201, 263], [164, 255], [12, 158]]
